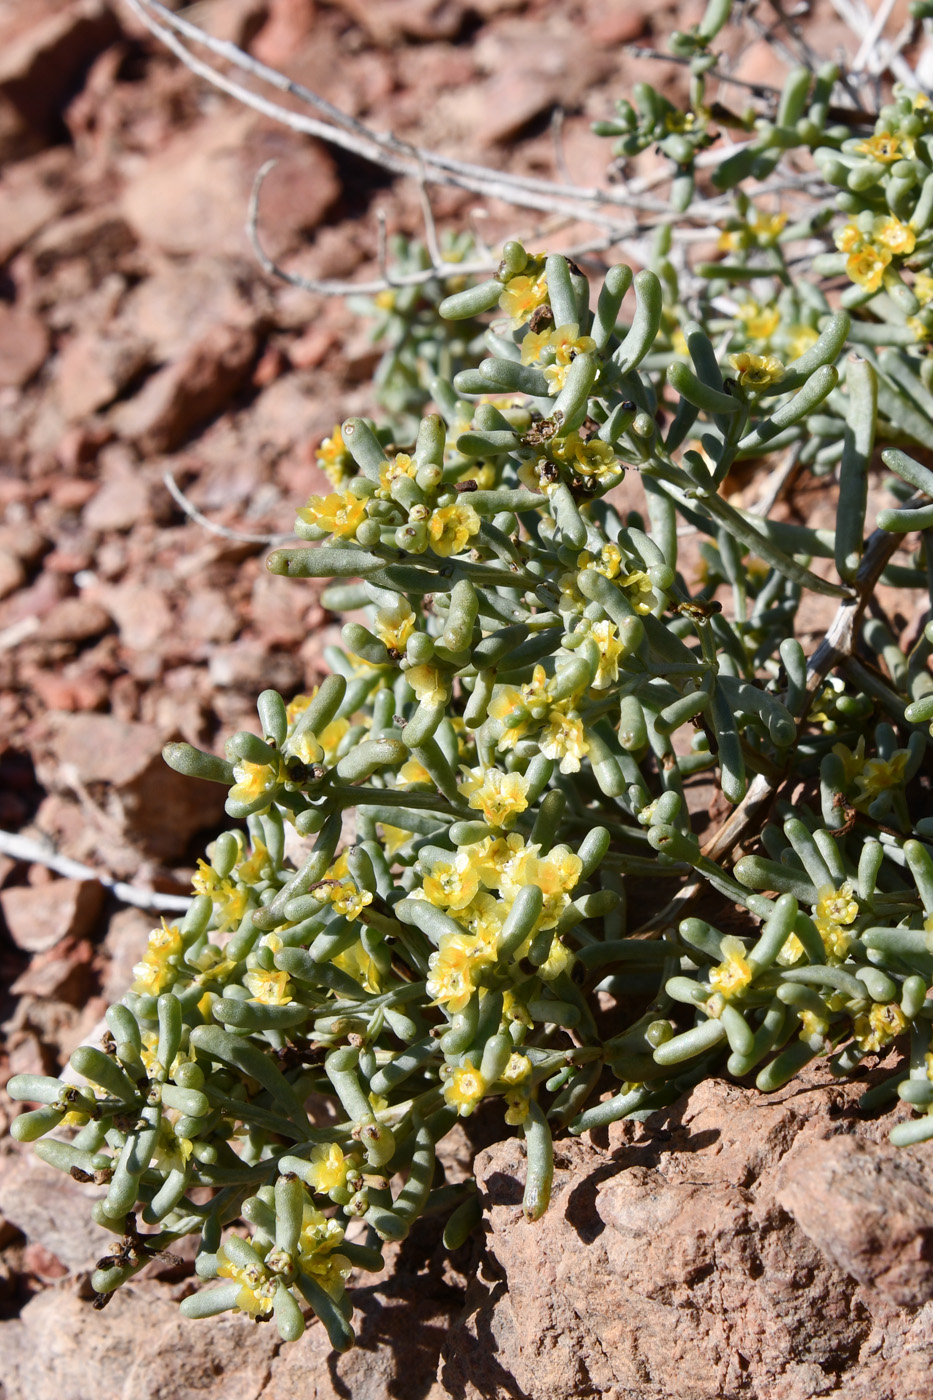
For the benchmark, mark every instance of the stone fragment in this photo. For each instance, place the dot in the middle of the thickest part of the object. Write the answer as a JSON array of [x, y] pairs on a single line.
[[44, 49], [193, 194], [59, 974], [158, 808], [121, 501], [24, 344], [179, 302], [53, 1211], [39, 917], [95, 367], [12, 573], [183, 395], [395, 20], [32, 194], [73, 620]]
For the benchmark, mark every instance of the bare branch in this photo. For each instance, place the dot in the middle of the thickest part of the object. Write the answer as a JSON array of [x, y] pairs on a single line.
[[43, 853], [193, 513]]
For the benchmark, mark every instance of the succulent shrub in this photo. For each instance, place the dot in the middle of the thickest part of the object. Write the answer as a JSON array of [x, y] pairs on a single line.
[[489, 791]]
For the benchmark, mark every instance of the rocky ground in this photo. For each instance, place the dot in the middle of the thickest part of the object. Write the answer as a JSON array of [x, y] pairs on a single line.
[[139, 337]]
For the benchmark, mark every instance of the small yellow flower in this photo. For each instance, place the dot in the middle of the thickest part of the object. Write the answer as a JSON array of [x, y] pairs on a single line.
[[923, 287], [255, 780], [451, 527], [450, 971], [884, 148], [340, 513], [799, 340], [452, 885], [269, 988], [394, 626], [919, 327], [611, 650], [766, 227], [334, 459], [879, 1026], [534, 345], [733, 974], [563, 739], [522, 296], [848, 238], [837, 940], [608, 564], [760, 321], [394, 837], [566, 343], [593, 458], [483, 919], [329, 1167], [517, 1107], [464, 1089], [866, 266], [257, 1287], [678, 339], [401, 465], [791, 951], [888, 232], [499, 796], [559, 959], [517, 1070], [358, 964], [349, 901], [757, 371], [412, 773], [853, 763], [156, 972], [430, 684], [837, 905], [879, 774]]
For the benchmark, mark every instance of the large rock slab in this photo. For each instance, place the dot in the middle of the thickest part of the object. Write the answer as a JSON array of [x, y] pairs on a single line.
[[740, 1247]]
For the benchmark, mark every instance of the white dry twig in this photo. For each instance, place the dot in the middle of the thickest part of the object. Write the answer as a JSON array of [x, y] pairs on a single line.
[[41, 853], [191, 510]]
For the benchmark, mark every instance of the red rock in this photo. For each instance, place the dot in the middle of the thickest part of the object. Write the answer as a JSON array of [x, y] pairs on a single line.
[[178, 303], [41, 56], [73, 620], [83, 692], [94, 368], [99, 237], [393, 20], [184, 395], [43, 1263], [159, 808], [12, 573], [288, 25], [121, 501], [247, 666], [24, 540], [39, 917], [209, 617], [62, 973], [24, 343], [194, 193], [613, 23], [142, 615]]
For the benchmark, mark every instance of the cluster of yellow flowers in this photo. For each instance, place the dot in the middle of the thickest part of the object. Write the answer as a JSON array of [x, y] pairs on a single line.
[[556, 350], [871, 243]]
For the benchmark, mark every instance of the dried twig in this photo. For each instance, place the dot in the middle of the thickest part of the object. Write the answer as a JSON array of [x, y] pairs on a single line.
[[193, 513], [42, 853]]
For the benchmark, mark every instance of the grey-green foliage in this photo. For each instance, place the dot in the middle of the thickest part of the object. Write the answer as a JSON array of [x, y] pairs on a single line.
[[512, 730]]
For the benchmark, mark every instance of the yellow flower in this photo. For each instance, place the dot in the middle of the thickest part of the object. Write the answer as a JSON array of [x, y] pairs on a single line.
[[880, 1025], [401, 465], [879, 774], [514, 1009], [638, 590], [534, 346], [853, 763], [394, 626], [733, 974], [837, 940], [517, 1107], [358, 964], [760, 321], [609, 563], [414, 772], [450, 527], [866, 266], [592, 458], [255, 780], [499, 796], [249, 871], [340, 513], [757, 371], [349, 901], [317, 1243], [606, 637], [155, 973], [766, 227], [923, 287], [837, 905], [566, 342], [884, 148], [452, 885], [430, 684], [517, 1070], [334, 459], [848, 238], [890, 233], [678, 339], [564, 739], [559, 959], [464, 1089], [257, 1288], [269, 988], [812, 1026], [394, 837], [329, 1167], [799, 340], [919, 327], [450, 971], [791, 951], [522, 296], [229, 901], [482, 918]]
